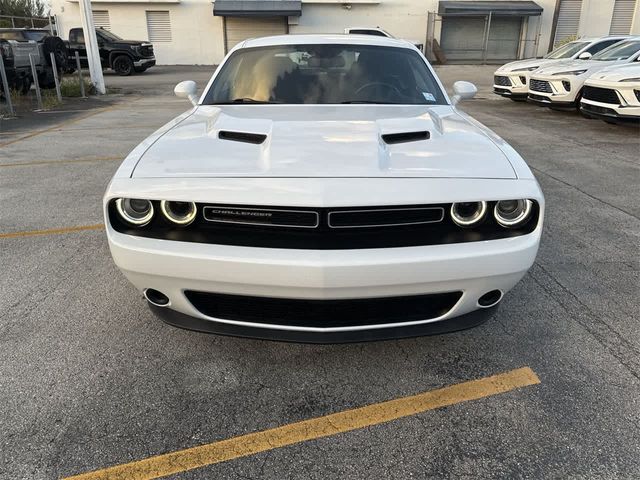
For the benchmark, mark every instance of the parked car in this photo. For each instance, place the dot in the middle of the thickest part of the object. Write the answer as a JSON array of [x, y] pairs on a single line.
[[613, 94], [379, 32], [122, 56], [19, 44], [310, 196], [512, 80], [560, 85]]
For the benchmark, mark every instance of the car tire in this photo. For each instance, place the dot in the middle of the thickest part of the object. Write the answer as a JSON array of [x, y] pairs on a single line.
[[24, 85], [123, 65], [56, 46]]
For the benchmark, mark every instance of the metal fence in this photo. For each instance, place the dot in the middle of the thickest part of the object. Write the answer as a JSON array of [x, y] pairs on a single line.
[[9, 21]]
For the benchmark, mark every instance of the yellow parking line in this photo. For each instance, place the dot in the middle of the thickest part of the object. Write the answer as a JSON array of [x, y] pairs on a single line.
[[59, 162], [52, 231], [250, 444]]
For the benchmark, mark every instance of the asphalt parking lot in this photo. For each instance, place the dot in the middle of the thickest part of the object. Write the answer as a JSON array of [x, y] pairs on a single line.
[[90, 379]]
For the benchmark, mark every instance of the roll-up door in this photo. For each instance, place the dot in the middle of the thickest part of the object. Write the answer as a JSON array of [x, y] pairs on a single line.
[[623, 11], [462, 38], [568, 20], [241, 28], [504, 38], [158, 26], [101, 19]]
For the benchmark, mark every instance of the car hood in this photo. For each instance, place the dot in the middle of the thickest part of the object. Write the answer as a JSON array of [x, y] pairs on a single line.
[[324, 141], [130, 43], [618, 73], [567, 66], [528, 63]]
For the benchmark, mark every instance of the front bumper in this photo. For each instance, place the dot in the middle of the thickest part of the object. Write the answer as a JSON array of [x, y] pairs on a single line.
[[511, 85], [563, 92], [145, 62], [175, 267]]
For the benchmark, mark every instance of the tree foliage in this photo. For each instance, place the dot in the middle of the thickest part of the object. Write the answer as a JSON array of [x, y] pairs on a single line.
[[23, 8]]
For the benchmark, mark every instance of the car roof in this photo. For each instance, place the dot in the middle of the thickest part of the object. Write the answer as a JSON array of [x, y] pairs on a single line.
[[335, 38]]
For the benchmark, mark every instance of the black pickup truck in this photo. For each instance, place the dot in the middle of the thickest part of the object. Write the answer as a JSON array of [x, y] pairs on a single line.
[[122, 56]]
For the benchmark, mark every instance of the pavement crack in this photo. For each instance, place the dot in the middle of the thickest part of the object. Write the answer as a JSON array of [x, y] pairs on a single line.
[[615, 207], [599, 329]]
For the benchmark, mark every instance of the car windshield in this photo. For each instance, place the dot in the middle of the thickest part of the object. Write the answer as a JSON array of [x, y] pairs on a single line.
[[107, 35], [325, 74], [619, 51], [35, 35], [567, 50]]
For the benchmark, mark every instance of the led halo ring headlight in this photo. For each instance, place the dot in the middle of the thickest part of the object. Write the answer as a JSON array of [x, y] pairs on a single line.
[[511, 213], [466, 214], [180, 213], [135, 211]]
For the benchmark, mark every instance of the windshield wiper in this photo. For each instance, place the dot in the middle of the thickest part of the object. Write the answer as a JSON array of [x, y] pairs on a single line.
[[246, 100]]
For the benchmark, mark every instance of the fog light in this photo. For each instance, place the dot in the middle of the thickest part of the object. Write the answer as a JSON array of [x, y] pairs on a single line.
[[135, 211], [466, 214], [523, 80], [567, 85], [511, 213], [180, 213]]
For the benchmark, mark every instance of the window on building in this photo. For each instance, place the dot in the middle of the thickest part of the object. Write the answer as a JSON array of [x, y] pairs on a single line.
[[101, 19], [158, 26], [622, 17], [568, 20]]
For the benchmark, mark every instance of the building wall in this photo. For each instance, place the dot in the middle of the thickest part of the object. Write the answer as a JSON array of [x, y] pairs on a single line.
[[198, 36]]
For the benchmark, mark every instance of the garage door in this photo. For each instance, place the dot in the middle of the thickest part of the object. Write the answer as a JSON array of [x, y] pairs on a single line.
[[504, 38], [623, 11], [241, 28], [462, 38], [568, 20]]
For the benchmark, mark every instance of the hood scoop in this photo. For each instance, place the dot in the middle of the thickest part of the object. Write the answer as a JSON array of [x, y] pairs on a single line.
[[405, 137], [245, 137]]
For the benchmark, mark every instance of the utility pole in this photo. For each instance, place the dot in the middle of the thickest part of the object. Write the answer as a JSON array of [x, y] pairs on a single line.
[[91, 44]]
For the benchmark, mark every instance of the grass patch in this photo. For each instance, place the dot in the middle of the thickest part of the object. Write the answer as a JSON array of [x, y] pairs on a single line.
[[49, 99], [70, 87]]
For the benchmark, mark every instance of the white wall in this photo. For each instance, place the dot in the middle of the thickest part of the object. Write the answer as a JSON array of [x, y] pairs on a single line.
[[197, 35]]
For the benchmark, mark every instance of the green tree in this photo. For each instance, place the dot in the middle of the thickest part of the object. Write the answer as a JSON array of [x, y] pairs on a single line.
[[21, 8]]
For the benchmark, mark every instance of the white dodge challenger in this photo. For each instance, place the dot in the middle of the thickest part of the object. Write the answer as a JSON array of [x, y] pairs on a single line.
[[324, 188]]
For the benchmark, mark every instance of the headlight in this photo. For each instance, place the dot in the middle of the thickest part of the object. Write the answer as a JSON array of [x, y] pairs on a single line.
[[630, 80], [528, 69], [180, 213], [511, 213], [135, 211], [466, 214], [572, 72]]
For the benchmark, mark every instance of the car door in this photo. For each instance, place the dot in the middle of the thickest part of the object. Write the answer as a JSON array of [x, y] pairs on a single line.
[[76, 42]]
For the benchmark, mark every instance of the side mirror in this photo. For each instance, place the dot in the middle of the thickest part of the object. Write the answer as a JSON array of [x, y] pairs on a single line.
[[584, 56], [463, 91], [187, 89]]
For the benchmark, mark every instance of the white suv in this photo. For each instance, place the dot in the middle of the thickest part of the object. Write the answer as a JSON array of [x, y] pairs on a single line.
[[560, 85], [613, 94], [512, 80]]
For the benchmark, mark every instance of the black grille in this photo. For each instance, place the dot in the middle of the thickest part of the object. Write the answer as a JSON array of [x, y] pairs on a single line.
[[146, 51], [502, 81], [540, 86], [587, 107], [602, 95], [323, 313], [323, 228]]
